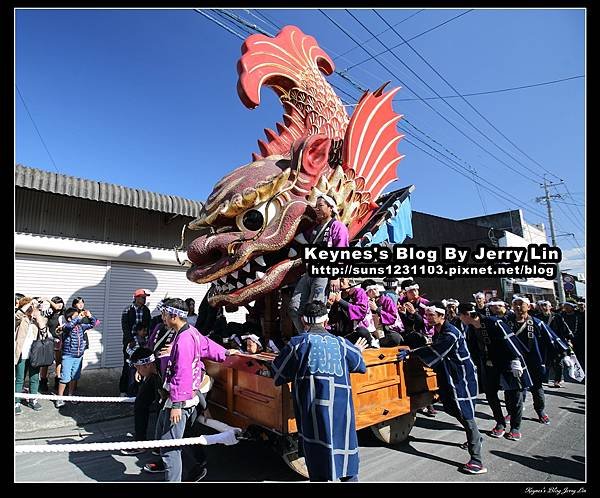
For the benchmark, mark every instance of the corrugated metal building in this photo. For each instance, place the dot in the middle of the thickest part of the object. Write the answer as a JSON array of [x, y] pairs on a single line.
[[77, 237]]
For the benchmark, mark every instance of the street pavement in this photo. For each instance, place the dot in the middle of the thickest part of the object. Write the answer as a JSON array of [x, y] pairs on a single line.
[[546, 454]]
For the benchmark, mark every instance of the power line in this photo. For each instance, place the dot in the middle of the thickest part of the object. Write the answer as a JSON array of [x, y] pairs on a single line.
[[36, 128], [384, 31], [489, 92], [458, 93], [199, 11], [467, 102], [425, 102], [400, 44]]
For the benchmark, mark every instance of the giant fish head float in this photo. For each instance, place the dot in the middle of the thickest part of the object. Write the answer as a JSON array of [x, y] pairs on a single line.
[[251, 224]]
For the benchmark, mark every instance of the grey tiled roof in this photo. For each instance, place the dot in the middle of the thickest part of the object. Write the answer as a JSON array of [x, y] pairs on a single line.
[[56, 183]]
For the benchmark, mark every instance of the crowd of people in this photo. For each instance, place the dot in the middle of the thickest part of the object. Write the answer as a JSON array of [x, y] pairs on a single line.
[[479, 346]]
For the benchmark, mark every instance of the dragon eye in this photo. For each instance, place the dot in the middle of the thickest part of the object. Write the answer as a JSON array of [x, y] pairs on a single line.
[[253, 220], [259, 216]]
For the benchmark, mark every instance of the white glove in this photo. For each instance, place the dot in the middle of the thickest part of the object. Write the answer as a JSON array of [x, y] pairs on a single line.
[[227, 438], [516, 368], [568, 362]]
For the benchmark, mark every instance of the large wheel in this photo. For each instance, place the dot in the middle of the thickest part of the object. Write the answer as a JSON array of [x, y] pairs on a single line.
[[396, 430], [296, 463]]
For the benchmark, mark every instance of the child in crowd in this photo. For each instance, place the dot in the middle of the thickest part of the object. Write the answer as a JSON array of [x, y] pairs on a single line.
[[73, 348]]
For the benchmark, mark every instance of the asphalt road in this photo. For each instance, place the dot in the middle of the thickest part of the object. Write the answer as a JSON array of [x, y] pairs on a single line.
[[432, 453]]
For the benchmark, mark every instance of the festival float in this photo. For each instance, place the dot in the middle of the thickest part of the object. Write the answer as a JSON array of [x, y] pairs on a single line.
[[250, 240]]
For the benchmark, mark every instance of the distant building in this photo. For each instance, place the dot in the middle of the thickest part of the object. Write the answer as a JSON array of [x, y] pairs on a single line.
[[77, 237], [505, 229]]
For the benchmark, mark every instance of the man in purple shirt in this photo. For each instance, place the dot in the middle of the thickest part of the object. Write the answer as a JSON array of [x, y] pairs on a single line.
[[183, 376], [328, 232]]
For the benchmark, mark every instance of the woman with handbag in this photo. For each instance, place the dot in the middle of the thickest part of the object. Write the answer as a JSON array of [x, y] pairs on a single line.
[[29, 324]]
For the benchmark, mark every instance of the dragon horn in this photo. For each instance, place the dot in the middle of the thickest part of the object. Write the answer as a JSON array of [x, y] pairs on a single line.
[[292, 64]]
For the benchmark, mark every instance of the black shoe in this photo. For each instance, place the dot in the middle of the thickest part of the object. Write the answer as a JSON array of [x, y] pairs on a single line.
[[198, 475], [34, 404]]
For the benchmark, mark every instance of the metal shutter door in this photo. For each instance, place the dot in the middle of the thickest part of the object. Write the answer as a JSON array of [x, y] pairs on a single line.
[[48, 276], [161, 281]]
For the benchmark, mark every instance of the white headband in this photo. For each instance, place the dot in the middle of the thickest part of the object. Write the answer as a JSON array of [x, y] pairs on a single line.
[[519, 298], [478, 294], [542, 302], [450, 301], [174, 311], [252, 337], [441, 311], [315, 319], [412, 287], [330, 202], [496, 303], [143, 361], [376, 287]]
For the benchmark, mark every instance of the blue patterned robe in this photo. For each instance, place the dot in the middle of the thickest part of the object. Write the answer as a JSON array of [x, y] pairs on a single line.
[[456, 374], [495, 345], [319, 365], [532, 341]]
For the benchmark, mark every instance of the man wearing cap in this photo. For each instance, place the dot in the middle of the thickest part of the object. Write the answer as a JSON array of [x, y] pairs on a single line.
[[501, 365], [558, 325], [383, 306], [319, 366], [456, 375], [532, 336], [328, 232], [183, 379], [136, 313]]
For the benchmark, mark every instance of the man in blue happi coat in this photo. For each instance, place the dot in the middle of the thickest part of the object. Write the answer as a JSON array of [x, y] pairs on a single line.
[[456, 376], [533, 338], [319, 365], [501, 365]]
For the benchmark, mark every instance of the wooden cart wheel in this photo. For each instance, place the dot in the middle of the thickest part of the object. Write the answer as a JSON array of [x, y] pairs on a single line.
[[296, 463], [396, 430]]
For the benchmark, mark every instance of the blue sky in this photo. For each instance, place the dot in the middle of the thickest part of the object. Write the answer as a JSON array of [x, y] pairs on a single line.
[[147, 99]]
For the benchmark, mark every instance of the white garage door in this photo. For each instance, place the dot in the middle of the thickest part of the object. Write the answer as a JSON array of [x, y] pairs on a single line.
[[48, 276], [107, 287]]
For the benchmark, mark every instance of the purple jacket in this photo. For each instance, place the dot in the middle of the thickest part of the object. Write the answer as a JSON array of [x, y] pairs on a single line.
[[163, 360], [389, 312], [358, 309], [338, 235], [185, 369]]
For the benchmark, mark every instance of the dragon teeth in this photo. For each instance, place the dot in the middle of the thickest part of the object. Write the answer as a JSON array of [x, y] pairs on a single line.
[[240, 285], [261, 261], [292, 252], [234, 274], [230, 286], [259, 274], [249, 281], [247, 268]]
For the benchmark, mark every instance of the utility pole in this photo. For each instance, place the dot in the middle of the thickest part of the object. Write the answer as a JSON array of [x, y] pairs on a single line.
[[546, 198]]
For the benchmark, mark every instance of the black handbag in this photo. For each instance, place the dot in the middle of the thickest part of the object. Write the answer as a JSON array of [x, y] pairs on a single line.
[[41, 353]]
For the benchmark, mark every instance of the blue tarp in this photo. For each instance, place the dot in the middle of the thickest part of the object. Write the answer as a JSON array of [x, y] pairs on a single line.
[[397, 227]]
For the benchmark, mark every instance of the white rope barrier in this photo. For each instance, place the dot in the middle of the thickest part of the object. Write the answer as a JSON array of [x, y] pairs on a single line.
[[94, 399], [227, 435], [227, 438]]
